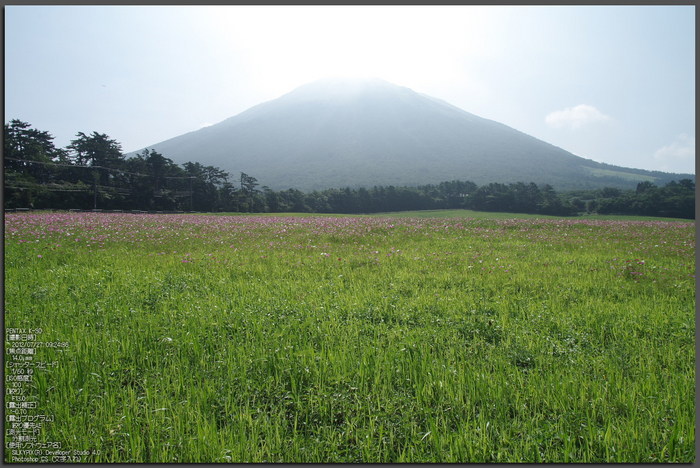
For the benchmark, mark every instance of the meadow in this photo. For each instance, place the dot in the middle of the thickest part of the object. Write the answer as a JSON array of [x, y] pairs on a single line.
[[195, 338]]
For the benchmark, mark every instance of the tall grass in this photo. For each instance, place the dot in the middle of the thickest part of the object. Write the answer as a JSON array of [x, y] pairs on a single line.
[[287, 339]]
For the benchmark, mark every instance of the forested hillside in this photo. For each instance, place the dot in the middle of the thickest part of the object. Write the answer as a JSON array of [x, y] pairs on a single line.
[[360, 133]]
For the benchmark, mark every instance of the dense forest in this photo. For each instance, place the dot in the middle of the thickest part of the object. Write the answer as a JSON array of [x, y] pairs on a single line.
[[92, 173]]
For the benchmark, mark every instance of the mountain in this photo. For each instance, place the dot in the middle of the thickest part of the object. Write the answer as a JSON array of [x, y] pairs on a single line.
[[338, 132]]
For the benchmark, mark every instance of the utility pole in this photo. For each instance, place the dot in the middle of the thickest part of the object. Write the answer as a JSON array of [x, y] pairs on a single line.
[[94, 203], [191, 206]]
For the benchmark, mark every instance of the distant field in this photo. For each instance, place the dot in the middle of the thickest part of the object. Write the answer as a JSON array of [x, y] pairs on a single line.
[[321, 339], [621, 174], [466, 214], [493, 215]]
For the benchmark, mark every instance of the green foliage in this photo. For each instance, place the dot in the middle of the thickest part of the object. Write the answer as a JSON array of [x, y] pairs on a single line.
[[209, 188], [23, 177], [675, 200], [96, 150], [95, 172], [92, 172], [520, 198]]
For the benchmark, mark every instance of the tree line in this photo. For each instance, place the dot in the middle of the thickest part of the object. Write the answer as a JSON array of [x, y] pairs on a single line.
[[93, 173], [673, 200]]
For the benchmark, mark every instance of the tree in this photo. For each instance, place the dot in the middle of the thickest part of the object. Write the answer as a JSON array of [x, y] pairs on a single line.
[[591, 206], [492, 197], [687, 183], [165, 183], [228, 197], [644, 186], [156, 165], [455, 192], [577, 203], [96, 150], [24, 181], [316, 202], [248, 183], [99, 152], [248, 190], [29, 144], [553, 204], [526, 197], [610, 192], [215, 176], [204, 194]]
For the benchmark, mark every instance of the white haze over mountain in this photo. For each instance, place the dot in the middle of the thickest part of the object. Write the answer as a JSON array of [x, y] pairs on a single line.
[[148, 73]]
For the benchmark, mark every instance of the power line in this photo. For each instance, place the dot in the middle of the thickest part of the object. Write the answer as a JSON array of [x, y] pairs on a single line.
[[39, 187], [47, 189], [77, 166], [43, 162], [20, 184]]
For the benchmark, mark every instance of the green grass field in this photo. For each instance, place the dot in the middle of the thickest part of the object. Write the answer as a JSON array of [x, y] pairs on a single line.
[[462, 214], [491, 215], [620, 174], [197, 338]]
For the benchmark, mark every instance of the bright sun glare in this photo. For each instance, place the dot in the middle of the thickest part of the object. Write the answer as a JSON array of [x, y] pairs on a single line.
[[406, 45]]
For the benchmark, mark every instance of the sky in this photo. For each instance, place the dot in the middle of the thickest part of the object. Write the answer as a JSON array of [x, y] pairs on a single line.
[[614, 84]]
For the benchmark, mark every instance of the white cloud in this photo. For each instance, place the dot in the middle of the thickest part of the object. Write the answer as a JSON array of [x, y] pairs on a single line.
[[682, 149], [575, 117]]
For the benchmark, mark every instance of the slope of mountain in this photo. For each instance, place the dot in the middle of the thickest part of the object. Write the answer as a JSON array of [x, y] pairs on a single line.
[[346, 132]]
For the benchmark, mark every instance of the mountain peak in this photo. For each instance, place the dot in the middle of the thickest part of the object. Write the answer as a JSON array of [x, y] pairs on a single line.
[[364, 131], [350, 81], [340, 88]]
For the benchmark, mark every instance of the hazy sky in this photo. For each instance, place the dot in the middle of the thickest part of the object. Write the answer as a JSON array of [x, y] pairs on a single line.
[[612, 84]]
